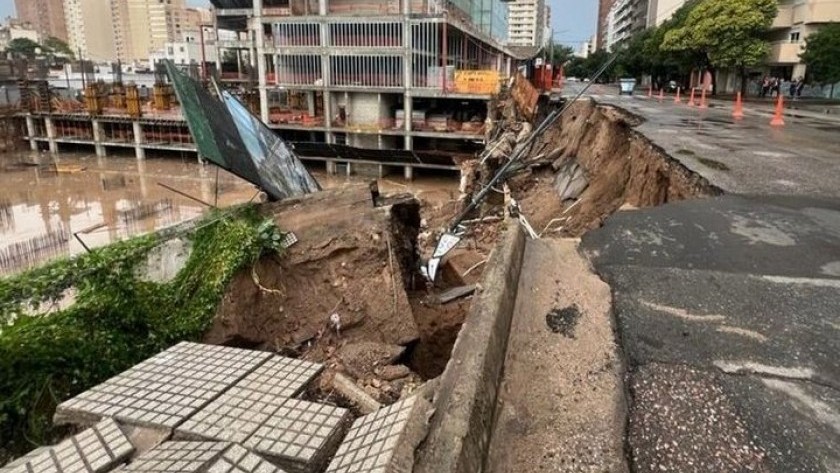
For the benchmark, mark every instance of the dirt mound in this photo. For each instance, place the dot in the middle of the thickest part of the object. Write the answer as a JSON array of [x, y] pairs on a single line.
[[620, 166], [352, 259]]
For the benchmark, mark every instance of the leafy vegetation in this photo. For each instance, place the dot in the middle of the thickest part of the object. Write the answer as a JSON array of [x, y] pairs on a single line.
[[116, 319], [821, 55], [701, 34], [725, 33]]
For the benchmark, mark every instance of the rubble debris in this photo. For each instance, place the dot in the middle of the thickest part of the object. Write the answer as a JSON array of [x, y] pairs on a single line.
[[570, 180], [345, 388], [456, 293], [361, 359], [393, 372]]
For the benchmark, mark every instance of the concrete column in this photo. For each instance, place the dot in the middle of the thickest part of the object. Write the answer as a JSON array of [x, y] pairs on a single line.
[[332, 168], [216, 46], [51, 135], [328, 114], [382, 172], [98, 137], [30, 133], [310, 103], [262, 70], [322, 7], [139, 151], [349, 169], [409, 108], [408, 173]]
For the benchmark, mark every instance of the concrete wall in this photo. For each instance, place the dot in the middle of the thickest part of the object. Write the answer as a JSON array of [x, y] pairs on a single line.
[[460, 429]]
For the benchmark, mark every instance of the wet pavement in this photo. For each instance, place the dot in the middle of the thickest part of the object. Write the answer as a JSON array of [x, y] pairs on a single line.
[[728, 308], [112, 198], [800, 158]]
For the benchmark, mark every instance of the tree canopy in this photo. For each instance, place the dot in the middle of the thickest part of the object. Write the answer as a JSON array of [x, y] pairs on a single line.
[[822, 54], [729, 33], [58, 46], [23, 47]]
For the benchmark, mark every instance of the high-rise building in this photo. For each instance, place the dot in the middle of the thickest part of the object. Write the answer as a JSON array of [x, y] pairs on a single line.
[[604, 7], [660, 11], [150, 25], [624, 19], [90, 28], [46, 17], [796, 20], [527, 20]]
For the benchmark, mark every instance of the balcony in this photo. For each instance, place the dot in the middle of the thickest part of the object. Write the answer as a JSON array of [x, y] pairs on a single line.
[[785, 52]]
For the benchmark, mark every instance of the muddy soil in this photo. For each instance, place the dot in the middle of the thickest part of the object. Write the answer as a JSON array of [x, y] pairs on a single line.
[[362, 262], [623, 169]]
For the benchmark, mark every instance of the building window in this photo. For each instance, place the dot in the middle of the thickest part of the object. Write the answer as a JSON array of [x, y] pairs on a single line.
[[794, 36]]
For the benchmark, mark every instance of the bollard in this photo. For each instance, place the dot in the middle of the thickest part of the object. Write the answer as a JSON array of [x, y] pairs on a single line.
[[738, 112], [778, 119], [650, 91], [703, 103], [677, 97], [661, 95], [691, 102]]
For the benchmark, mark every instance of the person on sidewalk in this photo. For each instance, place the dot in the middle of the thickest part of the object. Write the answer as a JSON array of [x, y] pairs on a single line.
[[800, 84], [792, 90], [765, 86]]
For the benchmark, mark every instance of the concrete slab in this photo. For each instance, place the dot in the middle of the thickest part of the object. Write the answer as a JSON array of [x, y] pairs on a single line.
[[165, 389], [94, 450], [282, 376], [200, 457], [561, 403], [300, 436], [383, 441]]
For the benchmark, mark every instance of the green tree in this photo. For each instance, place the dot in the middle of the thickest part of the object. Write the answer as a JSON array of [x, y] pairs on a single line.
[[562, 54], [23, 47], [58, 46], [822, 55], [725, 34]]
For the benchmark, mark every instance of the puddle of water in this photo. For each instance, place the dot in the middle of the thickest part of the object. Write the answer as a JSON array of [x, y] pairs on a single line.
[[112, 198]]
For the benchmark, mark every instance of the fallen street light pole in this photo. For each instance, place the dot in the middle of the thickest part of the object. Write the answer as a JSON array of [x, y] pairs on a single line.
[[452, 235]]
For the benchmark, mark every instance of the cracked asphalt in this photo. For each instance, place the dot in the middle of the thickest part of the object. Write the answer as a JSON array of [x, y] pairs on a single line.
[[728, 308]]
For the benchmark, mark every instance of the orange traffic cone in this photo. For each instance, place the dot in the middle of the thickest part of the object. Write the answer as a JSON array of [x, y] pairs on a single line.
[[650, 91], [703, 103], [677, 98], [661, 95], [778, 119], [738, 112], [691, 102]]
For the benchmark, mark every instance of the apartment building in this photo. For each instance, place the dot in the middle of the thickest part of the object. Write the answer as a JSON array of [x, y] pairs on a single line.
[[45, 16], [403, 78], [604, 7], [796, 20], [90, 28], [660, 11], [624, 19], [527, 22]]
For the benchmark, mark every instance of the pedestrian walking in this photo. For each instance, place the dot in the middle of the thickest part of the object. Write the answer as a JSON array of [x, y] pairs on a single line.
[[800, 84], [792, 89], [765, 86]]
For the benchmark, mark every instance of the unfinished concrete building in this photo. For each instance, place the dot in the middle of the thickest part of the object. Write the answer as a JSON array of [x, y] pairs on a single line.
[[409, 79]]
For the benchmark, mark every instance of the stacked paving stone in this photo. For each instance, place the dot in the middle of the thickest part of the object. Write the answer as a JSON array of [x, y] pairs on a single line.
[[199, 457], [228, 410], [164, 390], [383, 441], [260, 412], [94, 450]]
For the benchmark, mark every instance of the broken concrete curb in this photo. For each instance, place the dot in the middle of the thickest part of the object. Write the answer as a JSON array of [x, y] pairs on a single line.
[[460, 429]]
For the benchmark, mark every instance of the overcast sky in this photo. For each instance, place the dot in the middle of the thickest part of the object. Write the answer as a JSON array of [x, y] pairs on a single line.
[[573, 20]]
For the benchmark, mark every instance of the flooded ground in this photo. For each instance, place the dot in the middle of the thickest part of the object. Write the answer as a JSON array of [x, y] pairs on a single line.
[[101, 200]]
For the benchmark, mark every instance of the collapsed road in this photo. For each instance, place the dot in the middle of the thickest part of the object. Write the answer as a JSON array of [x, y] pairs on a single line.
[[661, 322]]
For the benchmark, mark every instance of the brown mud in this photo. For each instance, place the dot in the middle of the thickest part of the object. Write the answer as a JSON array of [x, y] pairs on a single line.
[[361, 262]]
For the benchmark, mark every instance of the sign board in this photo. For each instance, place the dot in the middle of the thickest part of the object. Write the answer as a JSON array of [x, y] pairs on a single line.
[[477, 82]]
